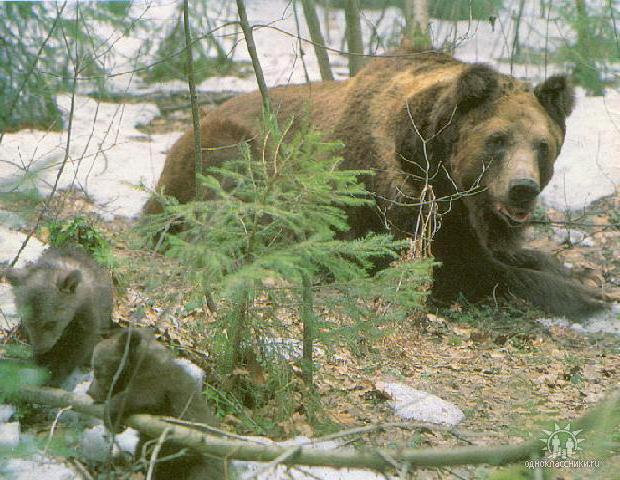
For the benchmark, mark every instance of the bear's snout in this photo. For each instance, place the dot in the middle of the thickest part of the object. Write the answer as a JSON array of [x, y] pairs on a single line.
[[523, 190]]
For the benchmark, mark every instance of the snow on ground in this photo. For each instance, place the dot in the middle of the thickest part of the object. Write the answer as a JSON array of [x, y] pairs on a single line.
[[589, 166], [607, 321], [411, 404], [261, 471], [40, 466], [10, 243], [108, 156]]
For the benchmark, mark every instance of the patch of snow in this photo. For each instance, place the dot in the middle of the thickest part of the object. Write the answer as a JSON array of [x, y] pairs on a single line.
[[229, 84], [10, 243], [127, 440], [39, 466], [12, 220], [9, 434], [94, 444], [96, 441], [78, 383], [248, 470], [607, 321], [6, 412], [108, 156], [572, 237], [412, 404], [588, 167], [286, 348]]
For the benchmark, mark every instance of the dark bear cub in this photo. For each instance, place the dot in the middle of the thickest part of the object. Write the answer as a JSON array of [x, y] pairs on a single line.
[[135, 374], [65, 303]]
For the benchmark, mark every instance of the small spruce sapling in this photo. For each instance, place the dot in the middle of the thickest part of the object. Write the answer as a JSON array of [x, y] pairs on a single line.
[[274, 220]]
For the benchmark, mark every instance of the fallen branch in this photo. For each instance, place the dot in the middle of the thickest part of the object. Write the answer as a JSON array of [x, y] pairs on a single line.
[[375, 459]]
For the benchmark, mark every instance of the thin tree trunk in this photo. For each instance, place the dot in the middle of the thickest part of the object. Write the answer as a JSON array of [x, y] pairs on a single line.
[[542, 7], [307, 318], [302, 53], [354, 36], [193, 99], [585, 72], [516, 44], [314, 26], [416, 24], [249, 41], [326, 9], [239, 324]]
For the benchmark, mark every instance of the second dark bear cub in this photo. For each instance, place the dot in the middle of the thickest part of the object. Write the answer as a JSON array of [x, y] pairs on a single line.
[[65, 303], [138, 375]]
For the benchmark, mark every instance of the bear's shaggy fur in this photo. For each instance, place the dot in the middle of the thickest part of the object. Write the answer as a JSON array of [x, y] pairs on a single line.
[[135, 374], [483, 141], [65, 303]]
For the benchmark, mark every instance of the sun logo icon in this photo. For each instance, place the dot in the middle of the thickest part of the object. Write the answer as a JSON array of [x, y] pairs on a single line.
[[561, 443]]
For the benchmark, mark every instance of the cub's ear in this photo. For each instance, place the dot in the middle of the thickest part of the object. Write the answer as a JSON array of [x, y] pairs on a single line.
[[130, 339], [15, 276], [475, 86], [557, 96], [69, 282]]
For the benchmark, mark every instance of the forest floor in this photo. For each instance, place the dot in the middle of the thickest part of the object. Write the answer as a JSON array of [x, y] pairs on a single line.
[[512, 376]]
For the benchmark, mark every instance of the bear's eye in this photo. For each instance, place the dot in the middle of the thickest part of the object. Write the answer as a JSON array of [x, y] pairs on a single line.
[[497, 142], [49, 325], [542, 147]]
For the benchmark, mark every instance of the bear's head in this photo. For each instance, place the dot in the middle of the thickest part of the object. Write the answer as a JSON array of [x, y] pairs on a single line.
[[114, 361], [48, 299], [496, 139]]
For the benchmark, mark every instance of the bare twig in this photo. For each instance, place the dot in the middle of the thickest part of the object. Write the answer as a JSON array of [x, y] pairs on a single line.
[[155, 454], [54, 426], [67, 145]]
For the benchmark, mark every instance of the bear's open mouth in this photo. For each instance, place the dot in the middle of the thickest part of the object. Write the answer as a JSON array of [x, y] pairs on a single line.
[[515, 216]]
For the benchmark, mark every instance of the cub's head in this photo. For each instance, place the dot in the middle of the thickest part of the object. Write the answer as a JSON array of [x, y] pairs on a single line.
[[47, 299], [499, 137], [114, 362]]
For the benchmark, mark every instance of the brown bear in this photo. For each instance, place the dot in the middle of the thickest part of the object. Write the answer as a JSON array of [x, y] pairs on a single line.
[[484, 142], [65, 303], [135, 374]]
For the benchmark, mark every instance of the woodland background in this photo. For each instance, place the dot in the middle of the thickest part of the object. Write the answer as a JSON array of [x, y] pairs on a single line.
[[93, 94]]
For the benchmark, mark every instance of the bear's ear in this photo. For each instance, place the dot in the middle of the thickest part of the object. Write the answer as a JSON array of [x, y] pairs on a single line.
[[475, 86], [15, 276], [69, 282], [557, 96], [129, 339]]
